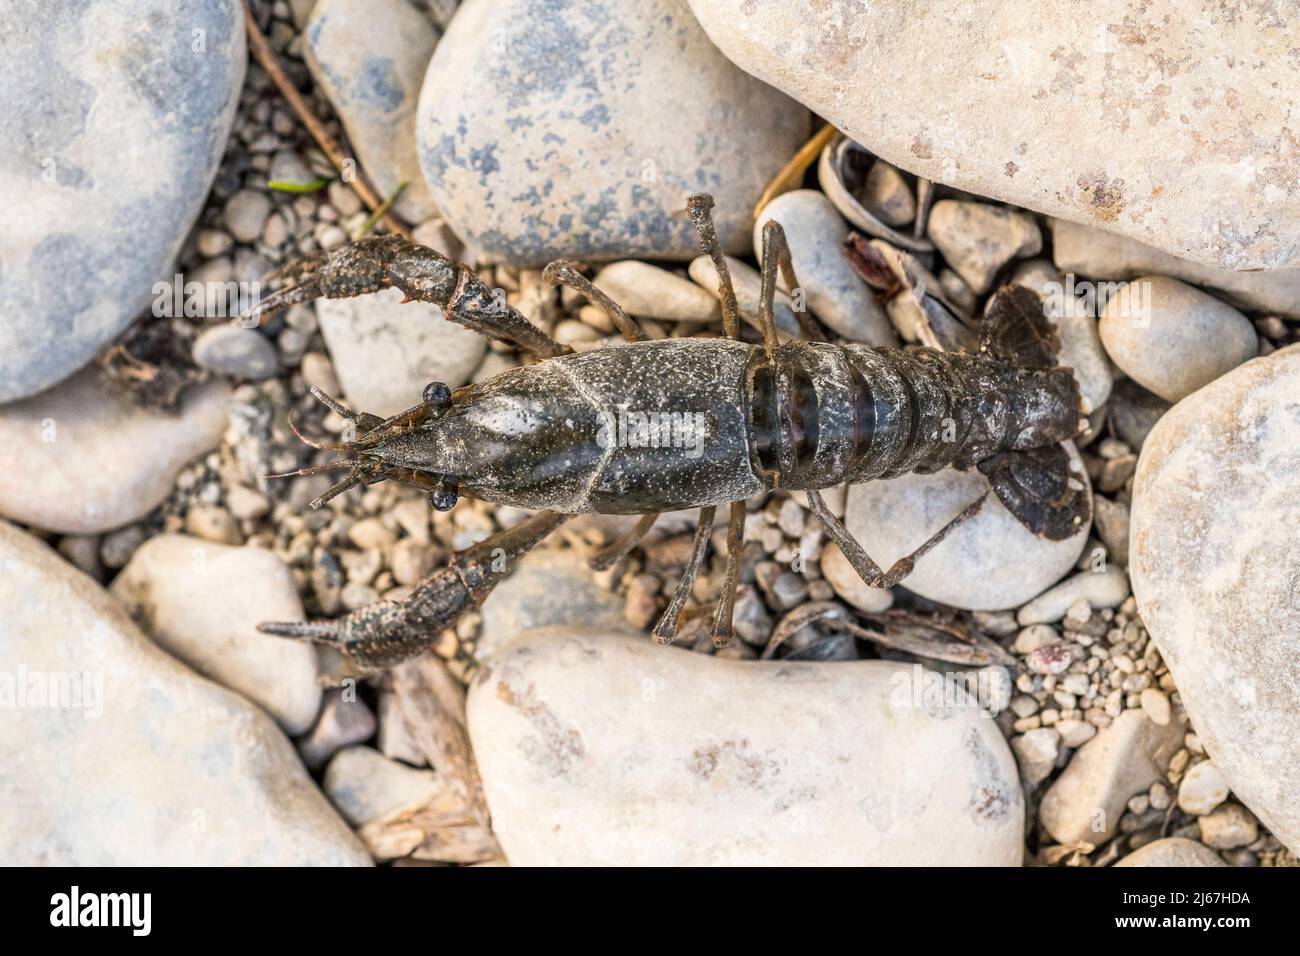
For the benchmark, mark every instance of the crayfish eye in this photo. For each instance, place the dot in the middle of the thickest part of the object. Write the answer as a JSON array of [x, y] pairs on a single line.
[[443, 497], [437, 393]]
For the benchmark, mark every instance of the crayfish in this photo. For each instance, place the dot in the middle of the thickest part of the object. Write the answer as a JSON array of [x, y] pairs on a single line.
[[653, 426]]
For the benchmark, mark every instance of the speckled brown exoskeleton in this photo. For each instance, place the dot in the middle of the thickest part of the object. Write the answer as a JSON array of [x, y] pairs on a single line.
[[653, 426]]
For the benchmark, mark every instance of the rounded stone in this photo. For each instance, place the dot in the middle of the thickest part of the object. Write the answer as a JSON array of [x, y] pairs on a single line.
[[988, 563], [369, 58], [114, 128], [815, 234], [643, 289], [150, 764], [845, 763], [1172, 851], [245, 214], [1172, 338], [237, 352], [1202, 789], [384, 352], [179, 588], [978, 239], [577, 130], [82, 458], [992, 102], [1213, 552]]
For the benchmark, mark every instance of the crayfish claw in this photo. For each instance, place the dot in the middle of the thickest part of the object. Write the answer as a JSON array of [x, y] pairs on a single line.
[[275, 303]]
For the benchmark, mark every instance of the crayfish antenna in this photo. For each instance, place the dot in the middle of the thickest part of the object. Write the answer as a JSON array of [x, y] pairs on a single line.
[[314, 469], [364, 420], [351, 481], [319, 446]]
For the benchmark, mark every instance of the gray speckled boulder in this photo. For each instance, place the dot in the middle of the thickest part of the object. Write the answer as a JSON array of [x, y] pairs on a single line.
[[1215, 558], [599, 748], [114, 117], [131, 758], [369, 56], [578, 128]]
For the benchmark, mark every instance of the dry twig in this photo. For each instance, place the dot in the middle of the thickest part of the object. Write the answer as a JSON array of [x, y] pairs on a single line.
[[266, 57]]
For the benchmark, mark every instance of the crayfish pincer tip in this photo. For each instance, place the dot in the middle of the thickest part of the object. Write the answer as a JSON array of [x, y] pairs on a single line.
[[320, 631]]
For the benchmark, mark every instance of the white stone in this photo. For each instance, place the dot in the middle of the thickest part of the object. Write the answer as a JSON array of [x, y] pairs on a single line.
[[364, 785], [1172, 851], [1085, 802], [609, 749], [1101, 589], [1105, 256], [202, 602], [1196, 159], [814, 232], [1202, 789], [849, 585], [156, 766], [978, 239], [235, 351], [548, 587], [987, 563], [1216, 504], [578, 130], [82, 458], [643, 289], [1036, 752], [1178, 339], [245, 214], [114, 128], [368, 57], [385, 352]]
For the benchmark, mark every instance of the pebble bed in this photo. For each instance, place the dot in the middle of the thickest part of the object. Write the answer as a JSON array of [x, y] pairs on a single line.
[[1079, 665]]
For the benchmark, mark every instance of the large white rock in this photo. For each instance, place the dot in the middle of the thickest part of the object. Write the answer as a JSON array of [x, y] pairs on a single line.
[[1086, 251], [82, 458], [987, 563], [385, 351], [147, 763], [599, 748], [1190, 144], [114, 118], [577, 129], [203, 601], [1214, 550]]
